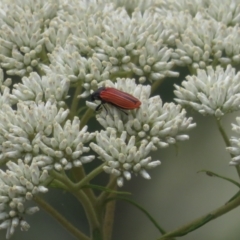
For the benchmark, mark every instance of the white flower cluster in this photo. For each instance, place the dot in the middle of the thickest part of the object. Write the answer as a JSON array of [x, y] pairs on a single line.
[[176, 22], [192, 7], [141, 37], [111, 43], [65, 148], [36, 88], [34, 132], [80, 10], [161, 124], [211, 92], [231, 46], [202, 32], [79, 18], [21, 40], [123, 156], [227, 12], [20, 129], [234, 150], [139, 43], [18, 185], [57, 44], [140, 4], [68, 63], [131, 135], [200, 44]]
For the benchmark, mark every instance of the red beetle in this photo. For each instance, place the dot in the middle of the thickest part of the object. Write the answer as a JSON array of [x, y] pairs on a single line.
[[116, 98]]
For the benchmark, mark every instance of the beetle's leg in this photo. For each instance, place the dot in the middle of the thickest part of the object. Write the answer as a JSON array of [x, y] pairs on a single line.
[[123, 111], [98, 107], [105, 108]]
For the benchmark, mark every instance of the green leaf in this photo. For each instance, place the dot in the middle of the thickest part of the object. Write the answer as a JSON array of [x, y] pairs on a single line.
[[212, 174], [148, 215]]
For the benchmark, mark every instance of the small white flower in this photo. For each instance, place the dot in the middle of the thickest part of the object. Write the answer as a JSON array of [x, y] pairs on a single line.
[[123, 156], [211, 92]]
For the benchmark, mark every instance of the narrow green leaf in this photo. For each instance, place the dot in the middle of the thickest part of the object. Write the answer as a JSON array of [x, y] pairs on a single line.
[[161, 230], [212, 174]]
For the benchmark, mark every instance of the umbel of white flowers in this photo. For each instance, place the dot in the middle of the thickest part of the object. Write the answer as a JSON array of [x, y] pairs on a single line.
[[18, 185], [39, 135], [36, 132], [211, 92], [107, 42], [128, 139], [123, 158]]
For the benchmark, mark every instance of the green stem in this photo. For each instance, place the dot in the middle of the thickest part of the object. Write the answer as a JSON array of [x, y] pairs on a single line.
[[223, 133], [215, 63], [226, 140], [121, 74], [238, 169], [58, 184], [192, 70], [202, 220], [211, 174], [89, 177], [104, 195], [155, 85], [80, 175], [86, 117], [109, 213], [89, 209], [161, 230], [63, 221], [81, 196]]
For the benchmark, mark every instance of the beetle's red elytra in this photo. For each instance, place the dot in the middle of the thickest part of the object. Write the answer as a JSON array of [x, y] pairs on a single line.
[[116, 98]]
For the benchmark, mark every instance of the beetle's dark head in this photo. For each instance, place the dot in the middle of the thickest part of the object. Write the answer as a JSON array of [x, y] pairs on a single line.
[[96, 95]]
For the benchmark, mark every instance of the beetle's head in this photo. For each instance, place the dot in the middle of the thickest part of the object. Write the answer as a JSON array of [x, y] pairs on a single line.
[[97, 94]]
